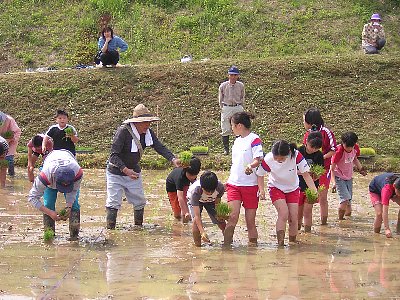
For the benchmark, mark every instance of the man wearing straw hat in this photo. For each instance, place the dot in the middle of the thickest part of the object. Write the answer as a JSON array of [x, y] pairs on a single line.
[[373, 35], [123, 170]]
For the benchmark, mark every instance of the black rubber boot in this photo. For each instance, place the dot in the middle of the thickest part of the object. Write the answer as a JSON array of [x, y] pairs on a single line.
[[138, 216], [111, 217], [225, 142], [74, 224], [49, 223]]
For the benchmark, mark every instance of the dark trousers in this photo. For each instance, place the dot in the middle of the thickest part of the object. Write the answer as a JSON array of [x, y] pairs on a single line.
[[109, 58]]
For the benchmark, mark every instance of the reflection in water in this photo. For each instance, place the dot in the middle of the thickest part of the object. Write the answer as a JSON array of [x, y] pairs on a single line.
[[341, 260]]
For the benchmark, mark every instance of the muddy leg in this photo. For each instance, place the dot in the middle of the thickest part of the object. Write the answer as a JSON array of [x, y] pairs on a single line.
[[292, 238], [74, 224], [280, 235], [341, 213], [348, 210], [196, 235], [307, 228], [49, 223], [398, 223], [111, 217], [228, 235], [324, 220]]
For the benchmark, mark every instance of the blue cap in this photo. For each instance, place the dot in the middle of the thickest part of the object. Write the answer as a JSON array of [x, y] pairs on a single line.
[[376, 16], [65, 178], [233, 70]]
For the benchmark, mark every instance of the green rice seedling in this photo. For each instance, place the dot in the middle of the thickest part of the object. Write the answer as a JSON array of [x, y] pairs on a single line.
[[68, 132], [48, 234], [367, 151], [223, 211], [185, 157], [317, 170], [311, 196], [199, 149], [3, 163], [63, 214], [8, 134]]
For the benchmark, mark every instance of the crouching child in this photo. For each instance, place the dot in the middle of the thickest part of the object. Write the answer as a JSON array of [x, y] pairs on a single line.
[[205, 192]]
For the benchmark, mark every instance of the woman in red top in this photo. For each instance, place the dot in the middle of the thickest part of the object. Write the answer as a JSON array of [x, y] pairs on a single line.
[[313, 121]]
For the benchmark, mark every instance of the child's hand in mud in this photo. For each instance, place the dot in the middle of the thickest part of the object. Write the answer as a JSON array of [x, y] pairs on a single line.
[[205, 237], [363, 172]]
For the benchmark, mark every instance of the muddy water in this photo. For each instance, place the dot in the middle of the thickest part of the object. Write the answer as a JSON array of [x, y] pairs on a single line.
[[343, 260]]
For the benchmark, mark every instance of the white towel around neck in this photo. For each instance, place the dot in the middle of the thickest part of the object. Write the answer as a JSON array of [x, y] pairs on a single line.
[[147, 138]]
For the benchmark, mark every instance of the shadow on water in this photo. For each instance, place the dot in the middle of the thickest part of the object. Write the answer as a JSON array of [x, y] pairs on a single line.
[[344, 260]]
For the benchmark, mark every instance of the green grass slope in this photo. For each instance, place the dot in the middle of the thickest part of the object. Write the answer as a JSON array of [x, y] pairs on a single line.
[[354, 92], [37, 33]]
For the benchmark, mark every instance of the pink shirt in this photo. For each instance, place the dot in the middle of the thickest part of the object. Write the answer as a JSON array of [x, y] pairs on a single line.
[[11, 125], [344, 162]]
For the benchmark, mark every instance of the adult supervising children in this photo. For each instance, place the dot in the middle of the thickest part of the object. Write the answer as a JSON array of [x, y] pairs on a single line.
[[108, 45], [123, 171], [231, 100], [11, 132], [60, 173], [373, 35]]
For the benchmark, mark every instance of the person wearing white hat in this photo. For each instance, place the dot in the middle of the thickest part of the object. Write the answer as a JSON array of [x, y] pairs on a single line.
[[123, 170], [373, 35]]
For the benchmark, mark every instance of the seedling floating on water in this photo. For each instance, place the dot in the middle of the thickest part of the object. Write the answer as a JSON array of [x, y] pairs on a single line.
[[185, 157], [311, 196], [8, 134], [223, 211], [48, 234], [318, 170]]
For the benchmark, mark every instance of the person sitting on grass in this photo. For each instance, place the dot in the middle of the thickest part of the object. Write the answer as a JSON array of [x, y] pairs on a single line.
[[373, 35], [206, 193], [108, 45], [177, 184], [382, 189], [3, 169], [35, 150]]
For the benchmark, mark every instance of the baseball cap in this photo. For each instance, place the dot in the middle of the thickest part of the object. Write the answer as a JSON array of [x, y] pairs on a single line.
[[233, 70], [65, 178]]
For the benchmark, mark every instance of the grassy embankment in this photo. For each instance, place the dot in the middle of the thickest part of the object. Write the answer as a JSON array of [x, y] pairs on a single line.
[[350, 96]]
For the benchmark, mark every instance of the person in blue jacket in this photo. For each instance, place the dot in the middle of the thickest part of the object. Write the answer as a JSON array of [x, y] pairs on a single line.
[[108, 46]]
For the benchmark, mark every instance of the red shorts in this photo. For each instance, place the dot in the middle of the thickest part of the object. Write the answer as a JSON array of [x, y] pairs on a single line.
[[375, 198], [325, 179], [276, 194], [247, 194]]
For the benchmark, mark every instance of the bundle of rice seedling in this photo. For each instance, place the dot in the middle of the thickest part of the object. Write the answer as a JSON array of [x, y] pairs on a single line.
[[185, 157], [199, 149], [223, 211], [8, 134], [63, 214], [367, 151], [3, 163], [317, 170], [68, 132], [311, 196], [48, 234]]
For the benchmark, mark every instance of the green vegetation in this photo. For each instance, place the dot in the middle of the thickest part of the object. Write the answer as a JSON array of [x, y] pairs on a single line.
[[8, 134], [185, 157], [48, 235], [311, 196], [223, 211], [43, 33], [367, 152], [199, 149], [3, 163], [317, 170]]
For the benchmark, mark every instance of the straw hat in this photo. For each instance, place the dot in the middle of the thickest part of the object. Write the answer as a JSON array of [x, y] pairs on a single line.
[[141, 114]]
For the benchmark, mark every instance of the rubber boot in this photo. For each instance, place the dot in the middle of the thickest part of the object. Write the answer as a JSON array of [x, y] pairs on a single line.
[[292, 238], [228, 235], [74, 224], [138, 216], [48, 223], [377, 229], [111, 217], [225, 142], [280, 235], [341, 213], [196, 237], [307, 228], [324, 220]]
